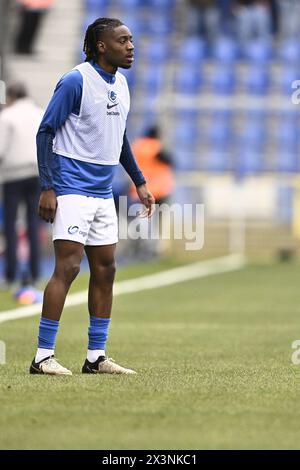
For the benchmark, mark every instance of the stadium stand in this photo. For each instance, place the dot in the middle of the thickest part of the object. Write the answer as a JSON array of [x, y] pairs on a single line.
[[224, 107], [172, 64]]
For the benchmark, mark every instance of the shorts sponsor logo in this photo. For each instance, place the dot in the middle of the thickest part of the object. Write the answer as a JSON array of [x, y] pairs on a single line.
[[73, 229]]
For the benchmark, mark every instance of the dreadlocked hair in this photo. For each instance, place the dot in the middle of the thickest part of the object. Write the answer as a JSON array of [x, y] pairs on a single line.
[[93, 35]]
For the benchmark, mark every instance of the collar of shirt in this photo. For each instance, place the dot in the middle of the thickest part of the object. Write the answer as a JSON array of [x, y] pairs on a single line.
[[108, 77]]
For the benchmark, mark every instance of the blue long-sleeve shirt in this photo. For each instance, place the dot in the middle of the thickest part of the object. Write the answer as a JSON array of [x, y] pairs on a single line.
[[67, 175]]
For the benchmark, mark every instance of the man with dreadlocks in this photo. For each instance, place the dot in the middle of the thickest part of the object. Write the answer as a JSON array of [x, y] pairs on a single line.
[[80, 142]]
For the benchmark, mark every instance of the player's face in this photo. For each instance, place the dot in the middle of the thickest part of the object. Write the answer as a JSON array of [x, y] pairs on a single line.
[[117, 49]]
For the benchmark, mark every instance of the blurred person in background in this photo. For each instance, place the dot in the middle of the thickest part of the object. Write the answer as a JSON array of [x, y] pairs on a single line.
[[32, 13], [226, 17], [19, 122], [204, 18], [155, 163], [253, 19], [289, 18], [157, 167]]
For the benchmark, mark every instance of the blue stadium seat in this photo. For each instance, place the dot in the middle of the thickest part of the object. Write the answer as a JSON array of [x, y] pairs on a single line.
[[188, 81], [185, 140], [289, 51], [152, 80], [223, 79], [96, 5], [160, 25], [287, 140], [166, 5], [250, 146], [191, 50], [260, 116], [287, 161], [158, 51], [249, 161], [220, 130], [253, 135], [187, 113], [218, 138], [256, 127], [258, 51], [289, 115], [218, 160], [288, 125], [256, 80], [184, 159], [129, 4], [225, 50], [186, 133]]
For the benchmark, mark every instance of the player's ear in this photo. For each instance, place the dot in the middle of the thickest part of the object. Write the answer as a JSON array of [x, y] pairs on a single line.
[[101, 46]]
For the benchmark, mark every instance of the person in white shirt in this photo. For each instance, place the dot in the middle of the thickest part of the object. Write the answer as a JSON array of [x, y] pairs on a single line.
[[19, 122]]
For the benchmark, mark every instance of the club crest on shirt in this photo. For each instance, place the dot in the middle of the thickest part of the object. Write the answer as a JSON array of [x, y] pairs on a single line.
[[112, 96]]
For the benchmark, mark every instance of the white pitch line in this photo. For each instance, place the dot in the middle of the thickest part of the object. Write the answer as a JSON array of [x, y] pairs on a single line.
[[152, 281]]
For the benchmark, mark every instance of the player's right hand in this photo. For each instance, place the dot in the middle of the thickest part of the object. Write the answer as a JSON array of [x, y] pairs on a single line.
[[47, 205]]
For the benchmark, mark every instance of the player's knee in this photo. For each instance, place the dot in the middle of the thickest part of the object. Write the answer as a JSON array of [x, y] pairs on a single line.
[[105, 273], [109, 272], [71, 270]]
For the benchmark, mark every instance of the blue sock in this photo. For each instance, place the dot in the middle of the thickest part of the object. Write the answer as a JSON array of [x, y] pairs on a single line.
[[47, 333], [98, 332]]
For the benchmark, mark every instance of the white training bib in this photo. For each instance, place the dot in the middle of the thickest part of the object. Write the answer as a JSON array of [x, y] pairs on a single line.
[[96, 135]]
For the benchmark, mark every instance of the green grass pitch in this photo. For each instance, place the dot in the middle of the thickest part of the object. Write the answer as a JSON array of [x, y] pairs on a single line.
[[214, 369]]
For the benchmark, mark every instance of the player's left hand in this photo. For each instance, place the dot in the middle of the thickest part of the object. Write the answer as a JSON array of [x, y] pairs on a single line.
[[147, 199]]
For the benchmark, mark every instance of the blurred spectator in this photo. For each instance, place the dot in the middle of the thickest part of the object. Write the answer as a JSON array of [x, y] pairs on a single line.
[[289, 18], [253, 19], [31, 15], [226, 17], [19, 122], [204, 18], [156, 164], [275, 12]]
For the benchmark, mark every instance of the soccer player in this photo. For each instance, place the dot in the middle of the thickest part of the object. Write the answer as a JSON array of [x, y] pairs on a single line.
[[80, 142]]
